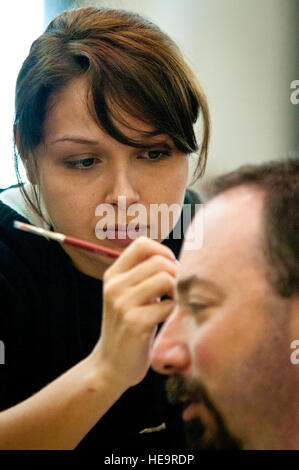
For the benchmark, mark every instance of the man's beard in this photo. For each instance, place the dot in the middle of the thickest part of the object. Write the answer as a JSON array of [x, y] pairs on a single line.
[[196, 434]]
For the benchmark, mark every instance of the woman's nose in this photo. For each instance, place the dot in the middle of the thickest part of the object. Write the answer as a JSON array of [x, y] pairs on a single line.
[[122, 188]]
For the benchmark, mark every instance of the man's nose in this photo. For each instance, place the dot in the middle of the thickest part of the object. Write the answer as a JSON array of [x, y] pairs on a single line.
[[122, 184], [171, 351]]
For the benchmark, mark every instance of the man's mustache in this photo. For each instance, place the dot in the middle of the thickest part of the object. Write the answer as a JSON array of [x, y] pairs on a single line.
[[179, 389]]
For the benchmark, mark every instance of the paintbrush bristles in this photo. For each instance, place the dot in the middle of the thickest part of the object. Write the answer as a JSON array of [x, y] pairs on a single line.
[[60, 237], [39, 231]]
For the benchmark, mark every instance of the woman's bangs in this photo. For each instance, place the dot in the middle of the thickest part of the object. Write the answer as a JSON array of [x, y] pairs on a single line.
[[115, 111]]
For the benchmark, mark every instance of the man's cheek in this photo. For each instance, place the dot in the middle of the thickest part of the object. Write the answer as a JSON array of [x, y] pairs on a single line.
[[209, 353], [218, 344]]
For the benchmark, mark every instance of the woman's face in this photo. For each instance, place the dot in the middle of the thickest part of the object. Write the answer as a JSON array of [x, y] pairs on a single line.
[[82, 168]]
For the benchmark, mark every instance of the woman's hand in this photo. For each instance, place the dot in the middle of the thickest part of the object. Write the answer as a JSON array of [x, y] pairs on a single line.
[[132, 309]]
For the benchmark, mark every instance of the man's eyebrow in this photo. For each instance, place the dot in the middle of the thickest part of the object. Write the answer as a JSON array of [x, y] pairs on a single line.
[[185, 284]]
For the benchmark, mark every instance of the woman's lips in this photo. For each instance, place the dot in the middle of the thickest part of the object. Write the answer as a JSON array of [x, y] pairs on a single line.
[[124, 236]]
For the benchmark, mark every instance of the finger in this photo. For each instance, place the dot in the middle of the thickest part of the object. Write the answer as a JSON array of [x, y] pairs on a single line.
[[152, 315], [138, 251], [145, 292], [147, 269]]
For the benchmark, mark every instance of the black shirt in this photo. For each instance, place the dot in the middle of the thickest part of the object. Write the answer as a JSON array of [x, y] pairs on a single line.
[[50, 319]]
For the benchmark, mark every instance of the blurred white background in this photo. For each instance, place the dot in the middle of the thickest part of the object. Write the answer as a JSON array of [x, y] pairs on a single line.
[[21, 23], [244, 52]]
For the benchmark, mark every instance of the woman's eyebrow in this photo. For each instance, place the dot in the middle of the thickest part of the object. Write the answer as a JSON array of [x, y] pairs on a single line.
[[77, 140], [163, 144], [84, 141]]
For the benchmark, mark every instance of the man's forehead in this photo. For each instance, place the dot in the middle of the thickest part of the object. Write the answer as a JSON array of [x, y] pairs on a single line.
[[231, 225], [237, 208]]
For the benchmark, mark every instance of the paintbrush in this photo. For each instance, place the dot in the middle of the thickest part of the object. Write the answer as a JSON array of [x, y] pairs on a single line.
[[59, 237]]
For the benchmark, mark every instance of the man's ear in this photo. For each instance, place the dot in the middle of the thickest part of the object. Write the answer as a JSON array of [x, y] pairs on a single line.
[[27, 160]]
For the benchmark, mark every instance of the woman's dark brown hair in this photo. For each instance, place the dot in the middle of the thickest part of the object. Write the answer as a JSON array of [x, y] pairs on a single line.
[[129, 65]]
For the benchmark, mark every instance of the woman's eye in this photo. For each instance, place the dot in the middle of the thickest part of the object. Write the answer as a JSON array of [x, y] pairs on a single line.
[[156, 154], [85, 163]]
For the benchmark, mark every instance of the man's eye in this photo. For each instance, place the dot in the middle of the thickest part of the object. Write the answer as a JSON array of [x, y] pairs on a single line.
[[156, 154], [195, 307], [85, 163]]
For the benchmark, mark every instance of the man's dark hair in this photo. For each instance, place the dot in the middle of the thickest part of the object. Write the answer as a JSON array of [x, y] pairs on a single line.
[[279, 180]]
